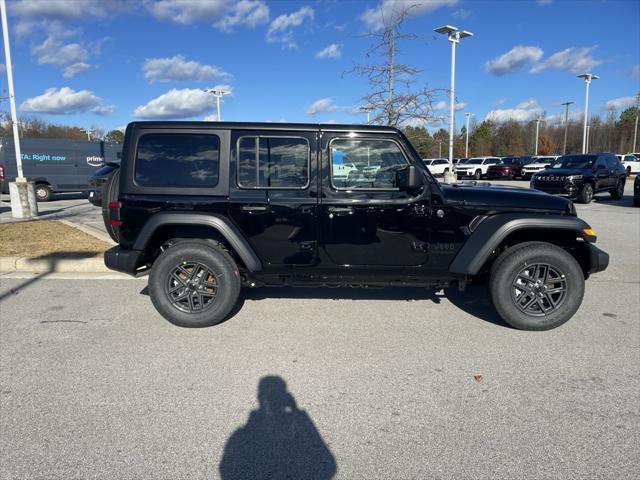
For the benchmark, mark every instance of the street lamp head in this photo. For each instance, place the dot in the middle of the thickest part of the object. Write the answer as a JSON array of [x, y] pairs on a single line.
[[588, 76], [465, 33], [446, 29], [217, 92], [469, 114]]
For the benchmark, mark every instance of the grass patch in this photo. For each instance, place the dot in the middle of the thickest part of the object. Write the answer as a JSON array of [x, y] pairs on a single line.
[[47, 237]]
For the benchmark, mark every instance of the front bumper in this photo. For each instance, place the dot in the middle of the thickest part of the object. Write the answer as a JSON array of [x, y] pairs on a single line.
[[598, 259], [123, 260], [570, 190]]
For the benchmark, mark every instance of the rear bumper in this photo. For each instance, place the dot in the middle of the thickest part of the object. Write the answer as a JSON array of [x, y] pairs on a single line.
[[598, 260], [123, 260]]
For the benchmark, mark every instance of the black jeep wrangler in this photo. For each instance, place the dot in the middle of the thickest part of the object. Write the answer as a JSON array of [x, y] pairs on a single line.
[[581, 176], [208, 208]]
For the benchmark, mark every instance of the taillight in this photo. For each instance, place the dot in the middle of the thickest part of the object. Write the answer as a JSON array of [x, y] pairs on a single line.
[[1, 173], [114, 213]]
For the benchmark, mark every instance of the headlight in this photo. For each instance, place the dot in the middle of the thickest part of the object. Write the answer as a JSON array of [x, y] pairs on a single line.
[[573, 178]]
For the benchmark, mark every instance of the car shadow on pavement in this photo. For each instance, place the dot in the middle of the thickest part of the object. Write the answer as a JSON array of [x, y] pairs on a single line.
[[279, 440]]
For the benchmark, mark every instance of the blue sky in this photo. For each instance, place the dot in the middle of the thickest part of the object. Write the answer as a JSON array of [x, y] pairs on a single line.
[[107, 62]]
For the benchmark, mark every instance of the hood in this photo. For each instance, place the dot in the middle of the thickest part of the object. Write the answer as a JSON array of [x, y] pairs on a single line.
[[564, 172], [485, 195]]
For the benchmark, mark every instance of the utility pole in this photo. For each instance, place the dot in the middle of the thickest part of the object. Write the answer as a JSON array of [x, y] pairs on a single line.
[[454, 35], [439, 148], [466, 148], [366, 110], [588, 77], [88, 131], [22, 193], [218, 93], [566, 125]]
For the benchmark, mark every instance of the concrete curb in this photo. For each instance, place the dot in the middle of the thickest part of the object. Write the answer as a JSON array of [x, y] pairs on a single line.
[[53, 264], [94, 232]]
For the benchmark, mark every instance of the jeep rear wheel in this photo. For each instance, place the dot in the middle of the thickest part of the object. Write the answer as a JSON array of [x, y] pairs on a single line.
[[586, 194], [536, 286], [194, 284], [618, 192]]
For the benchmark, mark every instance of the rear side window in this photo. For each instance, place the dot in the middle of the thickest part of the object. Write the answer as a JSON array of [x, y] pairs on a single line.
[[612, 161], [273, 162], [177, 160]]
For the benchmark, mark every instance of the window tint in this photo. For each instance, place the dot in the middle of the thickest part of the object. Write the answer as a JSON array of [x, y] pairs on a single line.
[[365, 163], [177, 160], [601, 162], [273, 162], [612, 161]]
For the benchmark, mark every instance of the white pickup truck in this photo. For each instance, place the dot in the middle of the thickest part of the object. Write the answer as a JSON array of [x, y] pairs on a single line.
[[630, 162], [476, 167]]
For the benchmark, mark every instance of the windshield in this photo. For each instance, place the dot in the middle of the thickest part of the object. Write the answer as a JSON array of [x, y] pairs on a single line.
[[474, 161], [575, 161], [508, 161]]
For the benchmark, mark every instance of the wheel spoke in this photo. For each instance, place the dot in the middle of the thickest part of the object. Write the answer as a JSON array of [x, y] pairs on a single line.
[[539, 289]]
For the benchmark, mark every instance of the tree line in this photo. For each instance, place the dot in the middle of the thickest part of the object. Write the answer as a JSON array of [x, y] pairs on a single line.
[[609, 134], [33, 127]]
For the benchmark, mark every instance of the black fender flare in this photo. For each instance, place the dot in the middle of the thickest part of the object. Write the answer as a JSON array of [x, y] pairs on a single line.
[[228, 230], [493, 230]]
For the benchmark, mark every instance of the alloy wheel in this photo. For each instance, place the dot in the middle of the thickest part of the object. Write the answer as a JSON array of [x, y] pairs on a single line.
[[191, 287], [539, 289]]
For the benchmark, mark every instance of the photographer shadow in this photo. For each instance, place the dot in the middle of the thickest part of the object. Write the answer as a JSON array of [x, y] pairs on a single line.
[[279, 441]]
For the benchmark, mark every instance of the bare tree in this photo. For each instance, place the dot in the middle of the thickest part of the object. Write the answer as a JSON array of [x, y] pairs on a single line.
[[391, 99]]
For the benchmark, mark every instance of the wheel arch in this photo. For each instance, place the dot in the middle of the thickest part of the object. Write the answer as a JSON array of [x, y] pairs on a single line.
[[166, 226], [499, 232]]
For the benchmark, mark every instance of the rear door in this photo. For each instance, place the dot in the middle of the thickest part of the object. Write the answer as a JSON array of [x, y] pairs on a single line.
[[273, 194], [604, 174]]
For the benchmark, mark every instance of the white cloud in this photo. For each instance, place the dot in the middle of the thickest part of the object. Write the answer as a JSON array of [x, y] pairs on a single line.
[[374, 18], [514, 60], [574, 59], [442, 105], [222, 14], [246, 13], [461, 13], [178, 68], [70, 57], [324, 105], [635, 72], [522, 112], [75, 69], [66, 10], [330, 51], [63, 101], [281, 29], [621, 103], [104, 110], [176, 103]]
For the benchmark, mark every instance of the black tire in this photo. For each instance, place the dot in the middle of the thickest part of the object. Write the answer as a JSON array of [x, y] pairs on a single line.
[[562, 272], [477, 175], [618, 192], [636, 201], [222, 272], [43, 192], [110, 191], [586, 194], [628, 171]]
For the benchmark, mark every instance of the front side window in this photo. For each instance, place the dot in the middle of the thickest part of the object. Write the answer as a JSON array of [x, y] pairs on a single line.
[[365, 163], [612, 161], [273, 162], [177, 160]]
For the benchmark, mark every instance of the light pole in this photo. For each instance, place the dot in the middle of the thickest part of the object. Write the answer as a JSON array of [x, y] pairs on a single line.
[[587, 80], [586, 149], [466, 147], [454, 35], [367, 110], [21, 192], [566, 125], [439, 148], [218, 93], [635, 129], [537, 130], [88, 132]]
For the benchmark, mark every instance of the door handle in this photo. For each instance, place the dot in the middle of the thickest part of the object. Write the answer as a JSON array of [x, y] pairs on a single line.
[[255, 208], [340, 210]]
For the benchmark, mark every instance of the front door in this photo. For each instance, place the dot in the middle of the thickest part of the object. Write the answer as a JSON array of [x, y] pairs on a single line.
[[365, 219], [273, 194]]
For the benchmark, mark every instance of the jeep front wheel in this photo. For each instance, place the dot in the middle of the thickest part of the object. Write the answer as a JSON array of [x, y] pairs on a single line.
[[194, 284], [536, 286], [586, 194]]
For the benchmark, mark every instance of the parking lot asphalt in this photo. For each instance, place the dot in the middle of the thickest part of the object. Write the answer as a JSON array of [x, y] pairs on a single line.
[[308, 383]]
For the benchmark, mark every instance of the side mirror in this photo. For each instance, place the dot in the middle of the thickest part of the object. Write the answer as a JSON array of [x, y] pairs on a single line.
[[409, 178], [547, 166]]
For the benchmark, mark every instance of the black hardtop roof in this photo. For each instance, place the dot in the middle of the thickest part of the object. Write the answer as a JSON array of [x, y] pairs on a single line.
[[325, 127]]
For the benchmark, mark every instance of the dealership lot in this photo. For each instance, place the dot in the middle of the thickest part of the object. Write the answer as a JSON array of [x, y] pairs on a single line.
[[387, 383]]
